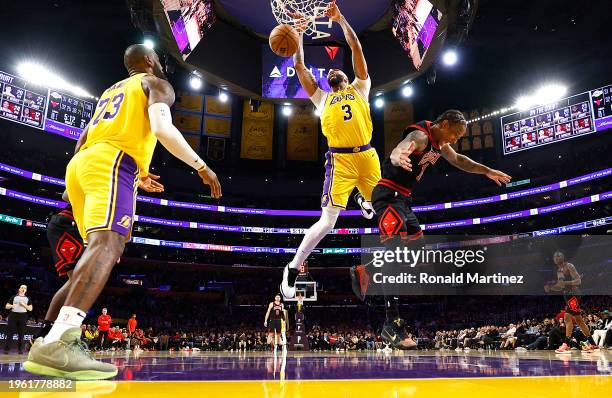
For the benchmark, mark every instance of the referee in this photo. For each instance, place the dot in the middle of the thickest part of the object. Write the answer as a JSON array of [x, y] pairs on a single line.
[[19, 305]]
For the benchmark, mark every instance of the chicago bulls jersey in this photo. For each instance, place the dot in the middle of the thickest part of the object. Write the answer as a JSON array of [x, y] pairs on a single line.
[[66, 244], [392, 176]]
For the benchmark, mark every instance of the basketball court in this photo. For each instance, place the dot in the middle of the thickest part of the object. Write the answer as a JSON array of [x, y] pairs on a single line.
[[355, 374]]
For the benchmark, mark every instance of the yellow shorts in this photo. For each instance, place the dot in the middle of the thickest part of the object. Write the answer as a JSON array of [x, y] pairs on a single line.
[[346, 171], [102, 181]]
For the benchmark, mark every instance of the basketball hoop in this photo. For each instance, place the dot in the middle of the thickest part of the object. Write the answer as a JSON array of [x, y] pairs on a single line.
[[301, 14]]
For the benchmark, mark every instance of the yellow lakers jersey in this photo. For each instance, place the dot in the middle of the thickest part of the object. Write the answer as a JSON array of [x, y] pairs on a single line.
[[346, 120], [121, 120]]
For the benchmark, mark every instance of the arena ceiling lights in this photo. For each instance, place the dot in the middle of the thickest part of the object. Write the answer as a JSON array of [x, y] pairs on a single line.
[[38, 74], [544, 95]]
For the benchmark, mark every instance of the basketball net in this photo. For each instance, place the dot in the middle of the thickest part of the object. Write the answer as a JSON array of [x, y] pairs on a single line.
[[300, 303], [301, 14]]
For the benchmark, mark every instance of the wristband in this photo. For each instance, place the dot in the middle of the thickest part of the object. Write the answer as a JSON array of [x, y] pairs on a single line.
[[200, 165]]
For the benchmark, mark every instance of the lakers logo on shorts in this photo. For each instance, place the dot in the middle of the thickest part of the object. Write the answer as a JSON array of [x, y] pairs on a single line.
[[125, 221]]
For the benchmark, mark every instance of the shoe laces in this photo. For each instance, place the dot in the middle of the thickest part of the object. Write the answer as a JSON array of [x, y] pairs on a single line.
[[80, 347]]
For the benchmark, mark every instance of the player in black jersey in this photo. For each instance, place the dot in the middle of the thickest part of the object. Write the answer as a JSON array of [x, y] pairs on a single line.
[[66, 248], [568, 282], [276, 313], [422, 145]]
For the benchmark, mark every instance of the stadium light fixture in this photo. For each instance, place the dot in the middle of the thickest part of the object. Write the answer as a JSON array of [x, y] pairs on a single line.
[[223, 97], [407, 91], [544, 95], [149, 43], [287, 111], [195, 82], [40, 75], [379, 102], [450, 57]]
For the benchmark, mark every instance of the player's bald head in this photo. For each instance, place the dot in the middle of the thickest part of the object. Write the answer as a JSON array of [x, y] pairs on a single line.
[[135, 56], [138, 58]]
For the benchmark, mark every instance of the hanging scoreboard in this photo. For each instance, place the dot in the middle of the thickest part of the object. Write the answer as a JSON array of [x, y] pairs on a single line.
[[571, 117], [46, 109]]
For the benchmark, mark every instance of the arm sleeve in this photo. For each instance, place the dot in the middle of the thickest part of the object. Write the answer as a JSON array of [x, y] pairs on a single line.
[[318, 99], [363, 87], [169, 136]]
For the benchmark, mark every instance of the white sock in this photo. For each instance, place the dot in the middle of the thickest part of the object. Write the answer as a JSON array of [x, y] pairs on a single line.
[[69, 317], [314, 235]]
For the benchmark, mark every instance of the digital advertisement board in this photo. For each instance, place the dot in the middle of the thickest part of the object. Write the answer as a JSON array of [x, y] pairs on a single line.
[[280, 80]]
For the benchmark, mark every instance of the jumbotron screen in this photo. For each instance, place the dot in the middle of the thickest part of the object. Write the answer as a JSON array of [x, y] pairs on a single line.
[[46, 109], [571, 117], [189, 22], [280, 80], [414, 24]]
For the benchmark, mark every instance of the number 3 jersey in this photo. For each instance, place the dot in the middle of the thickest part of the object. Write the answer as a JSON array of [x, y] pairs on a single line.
[[345, 115], [121, 119], [394, 176]]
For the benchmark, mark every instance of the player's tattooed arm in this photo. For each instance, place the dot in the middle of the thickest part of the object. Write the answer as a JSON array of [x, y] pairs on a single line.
[[307, 79], [360, 66], [466, 164], [158, 90], [576, 278], [415, 141]]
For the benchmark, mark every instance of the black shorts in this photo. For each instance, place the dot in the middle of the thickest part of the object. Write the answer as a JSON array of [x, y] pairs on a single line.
[[66, 244], [275, 325], [572, 304], [395, 216]]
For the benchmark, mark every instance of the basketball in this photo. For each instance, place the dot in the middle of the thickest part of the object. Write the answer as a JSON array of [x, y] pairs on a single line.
[[284, 40]]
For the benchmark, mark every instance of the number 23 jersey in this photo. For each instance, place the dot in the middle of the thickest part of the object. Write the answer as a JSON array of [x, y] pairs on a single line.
[[121, 119], [345, 115]]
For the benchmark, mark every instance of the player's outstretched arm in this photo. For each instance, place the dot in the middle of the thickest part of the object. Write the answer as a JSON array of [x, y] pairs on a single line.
[[400, 156], [359, 63], [466, 164], [307, 79], [161, 97]]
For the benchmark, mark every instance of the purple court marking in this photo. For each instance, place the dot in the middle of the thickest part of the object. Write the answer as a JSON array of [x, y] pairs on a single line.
[[352, 366], [307, 213]]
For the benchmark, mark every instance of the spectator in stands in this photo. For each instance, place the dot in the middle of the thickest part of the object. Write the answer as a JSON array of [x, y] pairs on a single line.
[[603, 330], [104, 324], [164, 339], [508, 337], [91, 335]]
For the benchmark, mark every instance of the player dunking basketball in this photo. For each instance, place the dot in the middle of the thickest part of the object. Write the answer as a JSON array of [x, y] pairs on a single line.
[[111, 159], [568, 282], [351, 161], [423, 144]]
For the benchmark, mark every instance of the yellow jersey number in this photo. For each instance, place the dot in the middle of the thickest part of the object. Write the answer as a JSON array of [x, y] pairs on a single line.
[[348, 114]]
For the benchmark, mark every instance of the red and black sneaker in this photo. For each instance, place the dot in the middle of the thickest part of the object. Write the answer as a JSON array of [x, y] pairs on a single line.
[[360, 281]]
